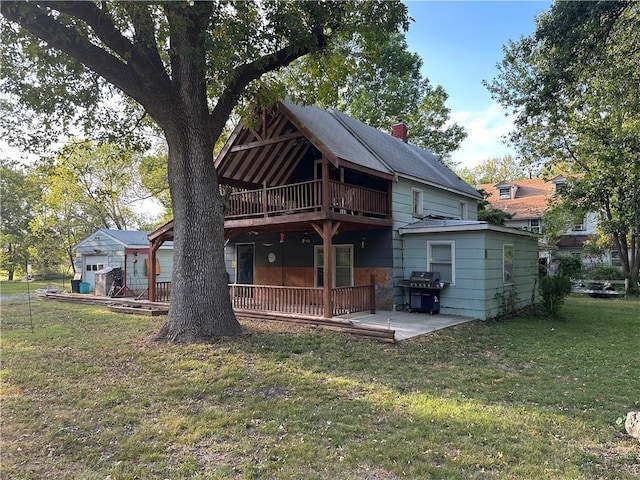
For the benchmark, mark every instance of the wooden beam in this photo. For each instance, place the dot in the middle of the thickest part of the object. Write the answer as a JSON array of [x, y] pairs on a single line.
[[268, 141], [327, 300]]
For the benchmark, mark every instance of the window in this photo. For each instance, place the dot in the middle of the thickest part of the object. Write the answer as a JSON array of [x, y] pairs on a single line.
[[442, 259], [416, 202], [342, 266], [615, 258], [504, 193], [507, 264], [579, 226], [534, 225], [464, 211]]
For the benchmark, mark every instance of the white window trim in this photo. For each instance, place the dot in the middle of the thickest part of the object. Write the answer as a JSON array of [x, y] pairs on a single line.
[[505, 193], [316, 248], [538, 228], [464, 211], [452, 245], [417, 212], [504, 256]]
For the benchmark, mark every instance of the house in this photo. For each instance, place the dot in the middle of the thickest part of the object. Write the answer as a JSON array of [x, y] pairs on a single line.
[[124, 249], [340, 214], [527, 200]]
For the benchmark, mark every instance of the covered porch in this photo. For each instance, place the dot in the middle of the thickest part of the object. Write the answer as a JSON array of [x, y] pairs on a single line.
[[274, 291]]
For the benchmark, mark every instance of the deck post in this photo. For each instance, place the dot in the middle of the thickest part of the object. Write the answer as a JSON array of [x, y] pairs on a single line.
[[151, 269], [327, 300], [372, 294]]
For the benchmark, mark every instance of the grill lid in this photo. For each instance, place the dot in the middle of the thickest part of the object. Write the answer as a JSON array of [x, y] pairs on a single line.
[[422, 280]]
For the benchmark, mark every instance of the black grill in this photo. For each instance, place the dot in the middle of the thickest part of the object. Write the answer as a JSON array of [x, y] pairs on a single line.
[[424, 291]]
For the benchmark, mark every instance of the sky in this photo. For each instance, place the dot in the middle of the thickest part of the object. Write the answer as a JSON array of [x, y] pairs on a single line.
[[460, 43]]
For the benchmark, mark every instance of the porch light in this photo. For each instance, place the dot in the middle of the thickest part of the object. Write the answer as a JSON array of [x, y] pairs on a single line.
[[362, 242], [305, 237]]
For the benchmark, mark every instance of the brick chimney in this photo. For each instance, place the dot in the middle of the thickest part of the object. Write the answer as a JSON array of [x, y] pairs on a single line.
[[399, 130]]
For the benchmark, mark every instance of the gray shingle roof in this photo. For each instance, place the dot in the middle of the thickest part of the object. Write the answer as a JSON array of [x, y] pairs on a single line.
[[366, 146]]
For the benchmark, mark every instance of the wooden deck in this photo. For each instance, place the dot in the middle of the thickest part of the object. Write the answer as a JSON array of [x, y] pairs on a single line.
[[307, 197]]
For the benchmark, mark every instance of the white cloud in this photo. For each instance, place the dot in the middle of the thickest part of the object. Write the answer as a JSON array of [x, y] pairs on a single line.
[[485, 131]]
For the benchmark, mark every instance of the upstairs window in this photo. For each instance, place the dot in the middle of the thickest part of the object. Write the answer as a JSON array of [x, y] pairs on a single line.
[[504, 193], [417, 206], [464, 211], [534, 226], [579, 225]]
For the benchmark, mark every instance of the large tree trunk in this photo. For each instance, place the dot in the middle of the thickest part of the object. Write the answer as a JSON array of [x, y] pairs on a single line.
[[200, 304]]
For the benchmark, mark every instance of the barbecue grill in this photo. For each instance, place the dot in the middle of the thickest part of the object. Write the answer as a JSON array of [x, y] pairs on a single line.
[[424, 291]]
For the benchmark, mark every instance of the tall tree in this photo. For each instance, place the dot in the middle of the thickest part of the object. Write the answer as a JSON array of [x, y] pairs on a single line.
[[85, 186], [493, 170], [379, 86], [188, 65], [575, 87], [19, 194]]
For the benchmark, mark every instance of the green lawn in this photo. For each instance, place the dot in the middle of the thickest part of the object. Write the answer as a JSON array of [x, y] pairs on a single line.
[[84, 396], [22, 288]]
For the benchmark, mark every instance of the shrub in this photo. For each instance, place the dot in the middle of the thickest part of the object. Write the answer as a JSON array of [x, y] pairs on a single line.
[[568, 266], [553, 291], [605, 272]]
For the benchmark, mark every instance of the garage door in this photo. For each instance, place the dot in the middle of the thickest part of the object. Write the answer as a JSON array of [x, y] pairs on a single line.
[[93, 263]]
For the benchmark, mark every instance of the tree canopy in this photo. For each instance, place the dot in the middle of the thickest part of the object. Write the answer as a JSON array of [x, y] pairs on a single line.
[[187, 65], [575, 88], [379, 86]]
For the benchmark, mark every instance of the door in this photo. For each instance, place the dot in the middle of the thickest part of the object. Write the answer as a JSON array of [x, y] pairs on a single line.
[[245, 263], [93, 263]]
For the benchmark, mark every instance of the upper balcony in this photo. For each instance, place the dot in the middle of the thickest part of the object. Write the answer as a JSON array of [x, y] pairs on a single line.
[[304, 201]]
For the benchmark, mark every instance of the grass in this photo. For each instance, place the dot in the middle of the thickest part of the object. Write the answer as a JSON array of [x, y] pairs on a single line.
[[18, 287], [85, 397]]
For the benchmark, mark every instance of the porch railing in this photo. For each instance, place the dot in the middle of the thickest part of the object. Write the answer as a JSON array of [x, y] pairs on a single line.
[[305, 197], [301, 300], [306, 301], [353, 299], [163, 291]]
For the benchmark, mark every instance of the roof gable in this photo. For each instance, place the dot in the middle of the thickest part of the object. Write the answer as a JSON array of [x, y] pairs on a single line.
[[266, 155], [126, 238]]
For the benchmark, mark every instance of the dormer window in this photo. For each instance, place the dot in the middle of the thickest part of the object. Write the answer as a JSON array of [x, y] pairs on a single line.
[[504, 193]]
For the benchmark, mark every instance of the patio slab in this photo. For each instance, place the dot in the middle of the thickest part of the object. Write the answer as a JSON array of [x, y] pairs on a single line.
[[406, 324]]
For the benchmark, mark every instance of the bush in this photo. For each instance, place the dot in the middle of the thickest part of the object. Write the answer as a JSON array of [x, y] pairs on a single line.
[[553, 291], [605, 272], [568, 266]]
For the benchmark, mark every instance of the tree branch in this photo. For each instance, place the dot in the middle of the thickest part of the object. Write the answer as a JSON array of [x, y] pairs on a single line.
[[245, 74], [36, 20]]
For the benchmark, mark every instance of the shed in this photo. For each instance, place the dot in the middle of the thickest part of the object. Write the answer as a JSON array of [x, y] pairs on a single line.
[[490, 270], [128, 250]]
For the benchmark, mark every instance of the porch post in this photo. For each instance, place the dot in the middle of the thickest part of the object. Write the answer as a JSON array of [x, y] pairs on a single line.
[[327, 301], [151, 269]]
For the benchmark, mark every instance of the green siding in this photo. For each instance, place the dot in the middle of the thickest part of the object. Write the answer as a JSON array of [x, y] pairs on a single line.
[[478, 270]]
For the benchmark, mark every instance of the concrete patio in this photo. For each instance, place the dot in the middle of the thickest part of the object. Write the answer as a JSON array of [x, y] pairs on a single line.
[[405, 324]]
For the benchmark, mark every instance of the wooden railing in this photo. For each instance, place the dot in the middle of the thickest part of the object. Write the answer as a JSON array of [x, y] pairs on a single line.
[[305, 197], [306, 301], [357, 200], [163, 291], [353, 299], [267, 298]]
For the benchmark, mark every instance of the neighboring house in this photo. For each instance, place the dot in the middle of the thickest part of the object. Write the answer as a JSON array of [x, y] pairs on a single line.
[[527, 200], [127, 250], [309, 181]]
